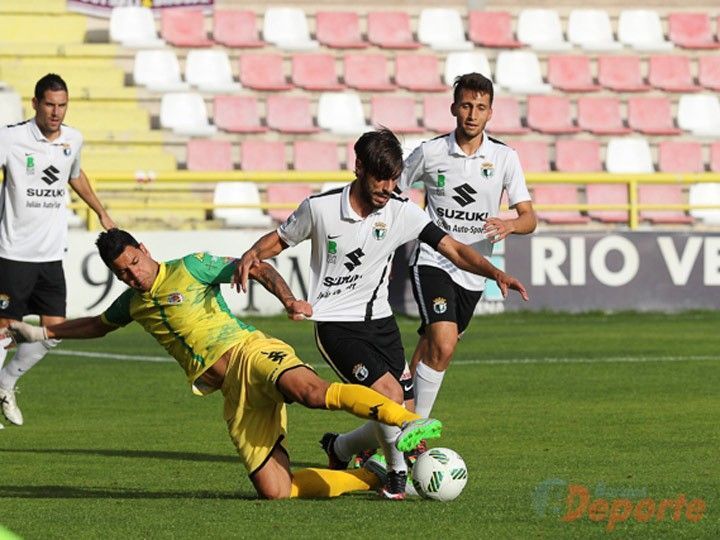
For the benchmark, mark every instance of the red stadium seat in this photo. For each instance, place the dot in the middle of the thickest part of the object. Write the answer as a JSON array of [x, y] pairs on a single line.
[[709, 72], [671, 73], [419, 73], [237, 114], [571, 73], [350, 156], [558, 194], [492, 29], [550, 114], [506, 117], [680, 157], [367, 72], [236, 28], [339, 29], [257, 155], [576, 155], [691, 30], [263, 72], [394, 112], [533, 155], [184, 28], [662, 194], [209, 155], [601, 116], [286, 193], [390, 30], [715, 157], [436, 114], [621, 73], [651, 116], [607, 194], [315, 156], [290, 114], [315, 72]]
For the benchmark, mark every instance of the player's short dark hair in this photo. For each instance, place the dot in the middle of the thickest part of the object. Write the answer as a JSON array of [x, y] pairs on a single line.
[[52, 82], [380, 153], [474, 82], [112, 243]]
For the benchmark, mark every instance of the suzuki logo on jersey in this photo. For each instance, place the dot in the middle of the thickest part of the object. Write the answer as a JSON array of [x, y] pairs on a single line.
[[464, 194], [465, 215], [50, 175], [354, 257]]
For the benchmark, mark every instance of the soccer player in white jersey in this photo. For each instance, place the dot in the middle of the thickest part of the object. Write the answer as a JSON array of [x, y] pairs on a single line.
[[465, 173], [40, 157], [354, 232]]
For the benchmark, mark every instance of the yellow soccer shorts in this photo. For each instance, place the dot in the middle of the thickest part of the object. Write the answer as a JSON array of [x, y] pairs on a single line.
[[254, 408]]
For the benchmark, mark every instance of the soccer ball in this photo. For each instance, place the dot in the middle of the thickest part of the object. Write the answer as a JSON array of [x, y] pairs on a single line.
[[439, 474]]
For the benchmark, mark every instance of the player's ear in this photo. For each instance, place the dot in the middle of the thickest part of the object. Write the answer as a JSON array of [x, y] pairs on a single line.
[[34, 103], [453, 109], [144, 249], [358, 168]]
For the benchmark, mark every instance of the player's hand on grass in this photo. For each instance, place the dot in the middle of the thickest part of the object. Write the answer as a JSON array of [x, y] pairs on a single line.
[[242, 271], [298, 310], [506, 282], [21, 332]]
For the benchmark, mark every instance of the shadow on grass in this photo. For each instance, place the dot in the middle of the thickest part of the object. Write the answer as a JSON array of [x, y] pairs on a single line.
[[73, 492]]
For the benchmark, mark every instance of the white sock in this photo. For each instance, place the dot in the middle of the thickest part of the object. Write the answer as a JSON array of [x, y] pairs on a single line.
[[27, 355], [427, 386], [386, 436], [357, 440], [3, 350]]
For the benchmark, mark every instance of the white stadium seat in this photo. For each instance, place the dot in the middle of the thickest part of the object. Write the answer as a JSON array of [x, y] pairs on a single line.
[[442, 29], [209, 70], [461, 62], [591, 30], [699, 114], [541, 29], [134, 26], [705, 194], [185, 114], [642, 29], [519, 72], [341, 112], [240, 193], [11, 111], [287, 28], [629, 155], [158, 70]]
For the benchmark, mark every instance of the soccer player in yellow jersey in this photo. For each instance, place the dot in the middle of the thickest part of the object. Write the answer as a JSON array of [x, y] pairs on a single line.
[[179, 303]]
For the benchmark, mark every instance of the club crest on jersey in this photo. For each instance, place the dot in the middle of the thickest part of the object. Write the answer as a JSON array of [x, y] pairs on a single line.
[[487, 169], [439, 305], [4, 301], [175, 298], [360, 372], [66, 150], [379, 230]]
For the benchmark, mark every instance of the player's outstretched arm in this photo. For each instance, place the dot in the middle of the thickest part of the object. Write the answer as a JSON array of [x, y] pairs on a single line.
[[497, 229], [269, 278], [265, 248], [83, 328]]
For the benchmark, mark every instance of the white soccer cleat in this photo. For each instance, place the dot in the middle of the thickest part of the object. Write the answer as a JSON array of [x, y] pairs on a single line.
[[10, 408]]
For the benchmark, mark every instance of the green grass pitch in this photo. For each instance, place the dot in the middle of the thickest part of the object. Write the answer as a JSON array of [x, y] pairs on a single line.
[[626, 405]]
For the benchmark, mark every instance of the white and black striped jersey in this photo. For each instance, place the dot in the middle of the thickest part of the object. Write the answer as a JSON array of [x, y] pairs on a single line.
[[33, 209], [351, 256], [462, 192]]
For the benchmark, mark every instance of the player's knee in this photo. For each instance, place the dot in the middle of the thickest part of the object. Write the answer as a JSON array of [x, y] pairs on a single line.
[[388, 386], [274, 492], [306, 389]]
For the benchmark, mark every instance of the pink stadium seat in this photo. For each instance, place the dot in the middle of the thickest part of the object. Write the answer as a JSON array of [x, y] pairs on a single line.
[[263, 72], [209, 155], [290, 114], [419, 73], [671, 73], [390, 30], [394, 112], [680, 157], [607, 194], [510, 213], [709, 72], [621, 73], [257, 155], [550, 114], [236, 28], [576, 155], [315, 156], [571, 73], [558, 194], [715, 157], [184, 28], [651, 116], [601, 116], [492, 29], [237, 114], [367, 72], [436, 114], [315, 72], [350, 156], [506, 117], [339, 29], [662, 194], [533, 155], [691, 30], [286, 193]]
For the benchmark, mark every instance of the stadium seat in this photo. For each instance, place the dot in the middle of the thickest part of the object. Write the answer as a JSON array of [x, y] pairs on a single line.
[[642, 30], [558, 194], [410, 143], [236, 28], [239, 193], [185, 114], [691, 30], [550, 114], [706, 193], [621, 73], [699, 114], [158, 70], [367, 72], [715, 157], [315, 156], [290, 114], [577, 155], [263, 72], [461, 62], [134, 26], [591, 30], [287, 28], [37, 30], [184, 28], [607, 194], [209, 155], [601, 116], [237, 114], [662, 194], [126, 158], [629, 155], [442, 30], [315, 71], [709, 72], [541, 29], [11, 111], [286, 194], [671, 73], [390, 30], [571, 73], [259, 155], [339, 29], [341, 113], [680, 157], [651, 116], [350, 156], [419, 73], [436, 114], [533, 155], [394, 112], [492, 29], [506, 117], [209, 71], [519, 72]]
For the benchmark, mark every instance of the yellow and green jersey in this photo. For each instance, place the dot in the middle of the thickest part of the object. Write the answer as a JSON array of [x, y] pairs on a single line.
[[185, 311]]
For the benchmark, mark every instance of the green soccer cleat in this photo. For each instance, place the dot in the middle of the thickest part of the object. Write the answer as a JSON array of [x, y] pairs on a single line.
[[417, 430]]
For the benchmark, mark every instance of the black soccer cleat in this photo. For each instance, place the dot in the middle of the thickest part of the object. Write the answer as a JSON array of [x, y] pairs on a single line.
[[394, 487], [328, 443]]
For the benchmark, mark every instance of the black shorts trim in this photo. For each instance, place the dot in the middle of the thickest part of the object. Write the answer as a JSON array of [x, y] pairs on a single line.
[[272, 451]]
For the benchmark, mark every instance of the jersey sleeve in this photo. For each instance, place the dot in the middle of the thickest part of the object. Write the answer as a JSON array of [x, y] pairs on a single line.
[[210, 269], [4, 147], [298, 226], [514, 180], [75, 168], [118, 314], [413, 169], [414, 220]]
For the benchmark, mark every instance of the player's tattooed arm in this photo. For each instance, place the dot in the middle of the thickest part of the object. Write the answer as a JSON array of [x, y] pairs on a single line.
[[269, 278]]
